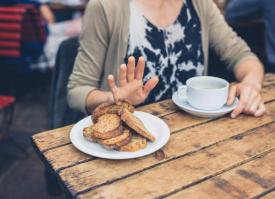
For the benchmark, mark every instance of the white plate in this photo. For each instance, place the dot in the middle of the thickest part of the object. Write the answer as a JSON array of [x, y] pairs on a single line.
[[153, 124], [184, 105]]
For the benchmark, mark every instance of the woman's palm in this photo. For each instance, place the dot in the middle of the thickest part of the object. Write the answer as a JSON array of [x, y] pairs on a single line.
[[131, 87]]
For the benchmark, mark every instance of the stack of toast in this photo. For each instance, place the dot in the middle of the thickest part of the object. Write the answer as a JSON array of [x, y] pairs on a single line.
[[116, 127]]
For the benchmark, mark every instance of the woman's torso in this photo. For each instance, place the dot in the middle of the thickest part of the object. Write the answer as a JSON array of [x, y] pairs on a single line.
[[173, 53]]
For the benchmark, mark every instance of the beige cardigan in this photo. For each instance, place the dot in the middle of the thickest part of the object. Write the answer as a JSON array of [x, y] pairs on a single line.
[[104, 38]]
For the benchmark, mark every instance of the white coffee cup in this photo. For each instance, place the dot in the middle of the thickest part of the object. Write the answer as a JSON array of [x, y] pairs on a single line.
[[205, 92]]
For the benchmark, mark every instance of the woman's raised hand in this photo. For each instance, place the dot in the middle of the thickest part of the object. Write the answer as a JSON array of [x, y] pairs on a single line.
[[131, 87]]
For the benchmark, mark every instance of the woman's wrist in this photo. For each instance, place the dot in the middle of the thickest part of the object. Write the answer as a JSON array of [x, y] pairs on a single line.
[[254, 81], [110, 97], [97, 97], [251, 72]]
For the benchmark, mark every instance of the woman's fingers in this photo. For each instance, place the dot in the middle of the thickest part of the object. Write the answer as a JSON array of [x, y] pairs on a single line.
[[261, 110], [150, 85], [232, 94], [244, 97], [131, 69], [254, 105], [253, 96], [123, 75], [111, 82], [113, 87], [140, 68]]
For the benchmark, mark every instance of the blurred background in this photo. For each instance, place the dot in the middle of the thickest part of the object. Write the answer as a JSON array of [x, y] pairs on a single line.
[[38, 44]]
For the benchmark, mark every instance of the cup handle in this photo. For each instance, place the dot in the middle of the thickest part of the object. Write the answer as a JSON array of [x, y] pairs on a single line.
[[182, 92]]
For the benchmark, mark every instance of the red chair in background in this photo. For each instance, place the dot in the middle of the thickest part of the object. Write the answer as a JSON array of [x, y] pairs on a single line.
[[18, 23], [7, 107]]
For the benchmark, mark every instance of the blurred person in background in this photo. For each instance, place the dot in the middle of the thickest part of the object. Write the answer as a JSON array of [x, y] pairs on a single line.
[[58, 32], [249, 10], [172, 37]]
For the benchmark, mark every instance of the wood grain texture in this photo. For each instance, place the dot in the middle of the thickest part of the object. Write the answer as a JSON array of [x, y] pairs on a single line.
[[67, 156], [193, 140], [179, 144], [270, 195], [268, 93], [159, 109], [269, 79], [51, 139], [187, 170], [247, 181]]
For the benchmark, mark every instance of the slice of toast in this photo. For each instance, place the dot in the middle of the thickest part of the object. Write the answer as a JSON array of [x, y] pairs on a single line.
[[110, 108], [136, 144], [136, 124], [107, 126], [88, 134], [112, 143], [117, 142]]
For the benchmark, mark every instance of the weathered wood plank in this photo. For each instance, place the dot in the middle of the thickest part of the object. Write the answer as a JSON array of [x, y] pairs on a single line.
[[269, 195], [58, 137], [180, 120], [77, 157], [179, 144], [52, 139], [269, 79], [268, 93], [176, 121], [160, 108], [246, 181], [182, 171], [65, 156]]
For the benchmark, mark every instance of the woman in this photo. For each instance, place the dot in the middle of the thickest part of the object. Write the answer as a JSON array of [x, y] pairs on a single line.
[[173, 36]]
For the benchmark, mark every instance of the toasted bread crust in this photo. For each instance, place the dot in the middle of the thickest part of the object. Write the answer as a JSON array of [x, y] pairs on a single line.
[[109, 134], [136, 144], [134, 123], [116, 139], [88, 133], [119, 144], [112, 143], [110, 108], [117, 128], [108, 126]]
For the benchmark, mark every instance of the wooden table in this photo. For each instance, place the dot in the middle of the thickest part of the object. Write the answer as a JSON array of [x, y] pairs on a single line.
[[205, 158]]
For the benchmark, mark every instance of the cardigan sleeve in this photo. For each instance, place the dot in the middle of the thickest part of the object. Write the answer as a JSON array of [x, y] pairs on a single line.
[[88, 67], [231, 48]]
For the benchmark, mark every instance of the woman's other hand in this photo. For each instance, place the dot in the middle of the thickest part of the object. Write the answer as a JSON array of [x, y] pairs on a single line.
[[131, 86], [250, 99]]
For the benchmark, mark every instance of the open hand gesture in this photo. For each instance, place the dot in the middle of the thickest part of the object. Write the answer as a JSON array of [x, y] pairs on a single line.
[[131, 86]]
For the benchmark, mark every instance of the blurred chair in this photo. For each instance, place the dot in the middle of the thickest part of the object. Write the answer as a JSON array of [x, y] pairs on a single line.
[[59, 112], [19, 24], [6, 107]]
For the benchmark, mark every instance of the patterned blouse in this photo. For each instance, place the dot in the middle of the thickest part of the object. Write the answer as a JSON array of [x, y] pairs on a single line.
[[173, 53]]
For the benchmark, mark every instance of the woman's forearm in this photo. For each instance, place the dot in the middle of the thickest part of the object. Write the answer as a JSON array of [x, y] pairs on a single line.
[[97, 97], [251, 71]]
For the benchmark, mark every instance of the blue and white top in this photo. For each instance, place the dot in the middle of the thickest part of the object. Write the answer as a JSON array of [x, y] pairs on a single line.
[[173, 53]]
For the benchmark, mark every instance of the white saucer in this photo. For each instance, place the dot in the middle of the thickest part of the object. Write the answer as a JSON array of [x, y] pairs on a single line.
[[184, 105]]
